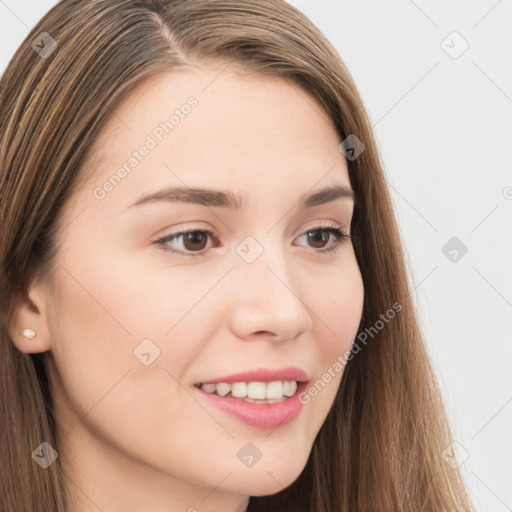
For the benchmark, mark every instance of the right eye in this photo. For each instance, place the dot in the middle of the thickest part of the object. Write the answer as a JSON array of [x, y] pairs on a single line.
[[193, 240]]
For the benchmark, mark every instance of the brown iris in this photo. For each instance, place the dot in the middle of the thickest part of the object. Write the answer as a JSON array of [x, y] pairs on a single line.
[[318, 235], [195, 240]]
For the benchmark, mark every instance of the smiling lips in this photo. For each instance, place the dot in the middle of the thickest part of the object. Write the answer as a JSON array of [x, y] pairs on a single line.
[[262, 383], [262, 398]]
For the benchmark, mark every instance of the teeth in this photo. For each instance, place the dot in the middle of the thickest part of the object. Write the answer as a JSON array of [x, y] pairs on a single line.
[[209, 388], [289, 387], [222, 388], [274, 390], [239, 389], [254, 390]]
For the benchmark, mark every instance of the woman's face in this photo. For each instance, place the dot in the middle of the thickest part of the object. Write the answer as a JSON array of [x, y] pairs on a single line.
[[140, 314]]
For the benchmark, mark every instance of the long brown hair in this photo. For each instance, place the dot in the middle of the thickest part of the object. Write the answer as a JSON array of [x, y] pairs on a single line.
[[381, 445]]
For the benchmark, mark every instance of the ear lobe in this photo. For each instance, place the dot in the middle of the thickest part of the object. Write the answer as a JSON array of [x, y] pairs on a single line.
[[30, 313]]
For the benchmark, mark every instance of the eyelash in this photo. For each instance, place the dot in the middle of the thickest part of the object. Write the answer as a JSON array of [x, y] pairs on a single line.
[[338, 233]]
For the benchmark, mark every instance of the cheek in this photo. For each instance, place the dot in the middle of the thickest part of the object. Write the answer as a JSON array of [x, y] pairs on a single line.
[[105, 336], [337, 315], [341, 318], [114, 377], [336, 307]]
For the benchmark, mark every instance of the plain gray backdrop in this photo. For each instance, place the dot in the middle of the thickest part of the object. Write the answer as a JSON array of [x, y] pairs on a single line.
[[436, 78]]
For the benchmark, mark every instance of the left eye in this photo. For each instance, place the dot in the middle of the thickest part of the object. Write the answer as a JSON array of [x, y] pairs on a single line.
[[195, 240]]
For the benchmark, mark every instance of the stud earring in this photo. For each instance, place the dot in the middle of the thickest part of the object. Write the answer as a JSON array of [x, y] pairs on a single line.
[[29, 333]]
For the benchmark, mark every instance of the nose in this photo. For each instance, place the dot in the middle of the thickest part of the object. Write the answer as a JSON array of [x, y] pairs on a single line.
[[265, 303]]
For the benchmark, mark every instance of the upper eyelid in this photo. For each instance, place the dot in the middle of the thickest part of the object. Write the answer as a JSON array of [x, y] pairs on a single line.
[[213, 232]]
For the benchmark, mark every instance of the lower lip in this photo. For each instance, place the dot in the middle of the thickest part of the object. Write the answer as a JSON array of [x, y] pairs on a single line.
[[264, 416]]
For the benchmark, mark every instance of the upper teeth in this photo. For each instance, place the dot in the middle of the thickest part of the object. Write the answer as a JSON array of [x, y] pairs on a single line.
[[255, 390]]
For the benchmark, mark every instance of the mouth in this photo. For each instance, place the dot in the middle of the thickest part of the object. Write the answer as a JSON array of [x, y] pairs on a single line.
[[255, 392], [262, 405]]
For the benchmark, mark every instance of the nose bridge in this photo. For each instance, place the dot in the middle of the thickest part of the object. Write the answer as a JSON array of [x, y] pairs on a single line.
[[267, 299]]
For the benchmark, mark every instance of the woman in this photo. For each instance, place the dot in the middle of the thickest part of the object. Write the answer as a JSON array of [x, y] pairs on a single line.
[[204, 298]]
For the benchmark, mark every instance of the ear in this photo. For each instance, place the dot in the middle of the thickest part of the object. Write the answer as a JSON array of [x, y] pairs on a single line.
[[31, 313]]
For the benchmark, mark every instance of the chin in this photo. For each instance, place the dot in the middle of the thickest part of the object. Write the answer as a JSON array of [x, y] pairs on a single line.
[[268, 485], [268, 479]]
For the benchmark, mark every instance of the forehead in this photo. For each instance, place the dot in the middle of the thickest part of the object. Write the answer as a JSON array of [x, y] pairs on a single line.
[[218, 127]]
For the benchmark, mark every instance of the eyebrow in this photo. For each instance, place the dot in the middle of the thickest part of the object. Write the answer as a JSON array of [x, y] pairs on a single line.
[[224, 199]]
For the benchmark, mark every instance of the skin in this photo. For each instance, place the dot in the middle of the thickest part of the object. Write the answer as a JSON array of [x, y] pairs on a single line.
[[136, 437]]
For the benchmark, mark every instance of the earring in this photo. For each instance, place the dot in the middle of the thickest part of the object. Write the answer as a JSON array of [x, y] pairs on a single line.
[[29, 333]]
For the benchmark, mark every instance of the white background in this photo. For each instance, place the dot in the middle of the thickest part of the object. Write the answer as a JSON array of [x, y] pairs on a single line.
[[444, 127]]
